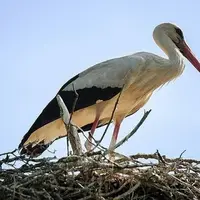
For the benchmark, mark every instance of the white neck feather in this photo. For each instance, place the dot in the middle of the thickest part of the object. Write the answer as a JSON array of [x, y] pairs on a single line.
[[167, 45]]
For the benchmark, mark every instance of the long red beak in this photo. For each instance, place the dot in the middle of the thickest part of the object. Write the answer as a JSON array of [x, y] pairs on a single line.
[[190, 56]]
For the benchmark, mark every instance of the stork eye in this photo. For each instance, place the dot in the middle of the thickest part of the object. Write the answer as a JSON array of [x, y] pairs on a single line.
[[180, 33]]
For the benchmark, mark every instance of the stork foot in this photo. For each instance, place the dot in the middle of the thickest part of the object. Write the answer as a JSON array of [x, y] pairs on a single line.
[[88, 145], [111, 156]]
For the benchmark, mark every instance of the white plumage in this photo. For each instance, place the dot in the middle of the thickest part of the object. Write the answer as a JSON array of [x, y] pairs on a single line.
[[112, 73], [98, 87]]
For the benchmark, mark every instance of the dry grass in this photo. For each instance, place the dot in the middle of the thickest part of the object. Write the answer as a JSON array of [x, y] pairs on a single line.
[[95, 177]]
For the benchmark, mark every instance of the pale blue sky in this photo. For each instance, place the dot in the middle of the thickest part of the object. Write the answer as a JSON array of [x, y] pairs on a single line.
[[44, 43]]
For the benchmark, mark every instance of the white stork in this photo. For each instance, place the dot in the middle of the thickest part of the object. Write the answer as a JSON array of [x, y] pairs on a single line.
[[136, 75]]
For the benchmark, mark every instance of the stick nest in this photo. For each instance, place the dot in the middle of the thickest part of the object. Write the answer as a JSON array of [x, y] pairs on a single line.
[[93, 176]]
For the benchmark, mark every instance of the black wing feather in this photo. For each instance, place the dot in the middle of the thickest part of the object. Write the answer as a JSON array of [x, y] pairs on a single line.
[[87, 97]]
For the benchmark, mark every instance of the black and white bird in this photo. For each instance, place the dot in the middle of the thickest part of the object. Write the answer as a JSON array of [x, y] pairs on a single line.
[[137, 76]]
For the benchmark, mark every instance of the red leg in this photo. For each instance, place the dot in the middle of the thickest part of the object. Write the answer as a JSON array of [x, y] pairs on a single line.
[[115, 135], [95, 124], [88, 144], [99, 109]]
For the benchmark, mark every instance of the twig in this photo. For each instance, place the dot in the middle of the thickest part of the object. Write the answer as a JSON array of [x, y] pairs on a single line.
[[186, 184], [115, 191], [182, 154], [131, 190], [72, 112], [160, 157], [10, 152], [131, 133], [72, 132], [100, 147]]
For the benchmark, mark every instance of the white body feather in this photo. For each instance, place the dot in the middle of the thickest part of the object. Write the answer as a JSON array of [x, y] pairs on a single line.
[[140, 73], [127, 70]]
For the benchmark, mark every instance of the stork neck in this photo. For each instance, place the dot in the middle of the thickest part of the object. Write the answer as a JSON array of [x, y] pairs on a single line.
[[174, 54], [170, 49]]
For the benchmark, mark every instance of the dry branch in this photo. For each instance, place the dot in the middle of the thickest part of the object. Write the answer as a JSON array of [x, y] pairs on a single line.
[[71, 130], [127, 137], [90, 176]]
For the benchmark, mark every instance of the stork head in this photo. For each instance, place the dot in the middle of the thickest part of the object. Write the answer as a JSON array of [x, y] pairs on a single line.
[[174, 36]]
